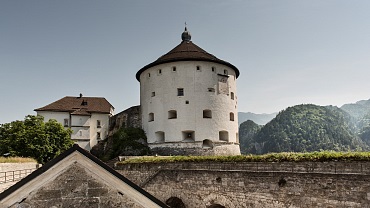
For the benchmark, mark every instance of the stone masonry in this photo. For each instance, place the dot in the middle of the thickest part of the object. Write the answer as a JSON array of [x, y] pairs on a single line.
[[256, 184], [76, 187]]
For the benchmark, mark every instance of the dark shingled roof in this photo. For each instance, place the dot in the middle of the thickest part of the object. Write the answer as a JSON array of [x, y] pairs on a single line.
[[186, 51], [79, 105]]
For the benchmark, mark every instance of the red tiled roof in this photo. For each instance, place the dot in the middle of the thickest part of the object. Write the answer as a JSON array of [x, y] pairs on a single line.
[[79, 105], [186, 51]]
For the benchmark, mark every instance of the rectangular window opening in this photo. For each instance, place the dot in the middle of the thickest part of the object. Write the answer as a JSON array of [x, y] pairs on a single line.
[[180, 91], [66, 122]]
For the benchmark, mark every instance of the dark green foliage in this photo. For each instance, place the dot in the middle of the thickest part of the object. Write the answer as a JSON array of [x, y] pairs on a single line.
[[247, 132], [34, 138], [129, 141], [125, 142], [364, 133], [307, 128]]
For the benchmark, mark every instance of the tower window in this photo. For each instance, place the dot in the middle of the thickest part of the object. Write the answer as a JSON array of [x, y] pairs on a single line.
[[174, 68], [188, 136], [172, 114], [98, 123], [151, 117], [160, 136], [231, 116], [187, 102], [213, 68], [207, 114], [148, 74], [180, 91], [198, 68], [159, 71], [153, 94], [232, 95], [224, 136], [225, 72]]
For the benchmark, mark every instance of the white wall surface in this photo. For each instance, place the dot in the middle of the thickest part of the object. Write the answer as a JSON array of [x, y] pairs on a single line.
[[189, 116]]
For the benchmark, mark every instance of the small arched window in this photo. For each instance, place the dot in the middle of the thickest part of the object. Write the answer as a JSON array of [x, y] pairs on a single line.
[[223, 136], [160, 136], [232, 95], [151, 117], [231, 116], [175, 202], [172, 114]]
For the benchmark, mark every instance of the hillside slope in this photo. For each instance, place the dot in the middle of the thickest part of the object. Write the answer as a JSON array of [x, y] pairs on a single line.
[[306, 128]]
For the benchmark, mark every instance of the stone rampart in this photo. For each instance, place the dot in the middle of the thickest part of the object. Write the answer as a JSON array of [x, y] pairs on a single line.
[[256, 184], [130, 117]]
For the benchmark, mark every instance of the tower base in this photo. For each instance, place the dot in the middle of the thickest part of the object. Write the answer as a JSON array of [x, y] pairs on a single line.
[[195, 148]]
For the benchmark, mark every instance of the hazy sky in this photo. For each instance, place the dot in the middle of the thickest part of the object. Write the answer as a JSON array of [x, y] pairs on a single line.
[[288, 52]]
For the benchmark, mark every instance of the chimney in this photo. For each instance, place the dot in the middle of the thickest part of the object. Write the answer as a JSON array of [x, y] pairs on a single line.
[[80, 95]]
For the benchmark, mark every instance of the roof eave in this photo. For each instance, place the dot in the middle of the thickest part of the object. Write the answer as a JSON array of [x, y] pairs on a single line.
[[155, 63]]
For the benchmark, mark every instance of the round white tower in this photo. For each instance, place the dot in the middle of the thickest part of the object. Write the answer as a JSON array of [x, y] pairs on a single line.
[[189, 103]]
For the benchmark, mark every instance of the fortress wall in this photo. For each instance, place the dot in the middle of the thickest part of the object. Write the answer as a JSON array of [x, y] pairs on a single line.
[[248, 184]]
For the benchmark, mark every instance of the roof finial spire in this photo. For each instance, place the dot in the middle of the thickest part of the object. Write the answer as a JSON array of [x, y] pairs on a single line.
[[185, 36]]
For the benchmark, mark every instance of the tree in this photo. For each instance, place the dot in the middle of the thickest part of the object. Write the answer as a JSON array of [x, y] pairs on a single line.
[[34, 138]]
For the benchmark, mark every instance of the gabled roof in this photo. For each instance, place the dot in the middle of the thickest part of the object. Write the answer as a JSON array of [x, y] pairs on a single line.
[[79, 105], [186, 51], [76, 155]]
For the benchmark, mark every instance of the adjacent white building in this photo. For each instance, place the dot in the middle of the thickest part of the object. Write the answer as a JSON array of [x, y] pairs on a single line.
[[188, 102], [88, 117]]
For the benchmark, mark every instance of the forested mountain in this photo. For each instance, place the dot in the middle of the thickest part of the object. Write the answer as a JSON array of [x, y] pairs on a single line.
[[358, 109], [303, 128], [260, 119], [247, 132]]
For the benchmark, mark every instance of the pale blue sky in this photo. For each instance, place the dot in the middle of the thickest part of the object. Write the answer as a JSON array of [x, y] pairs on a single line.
[[288, 52]]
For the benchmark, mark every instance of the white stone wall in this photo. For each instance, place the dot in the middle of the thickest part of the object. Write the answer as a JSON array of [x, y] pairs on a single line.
[[94, 129], [201, 92], [59, 116], [85, 128]]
